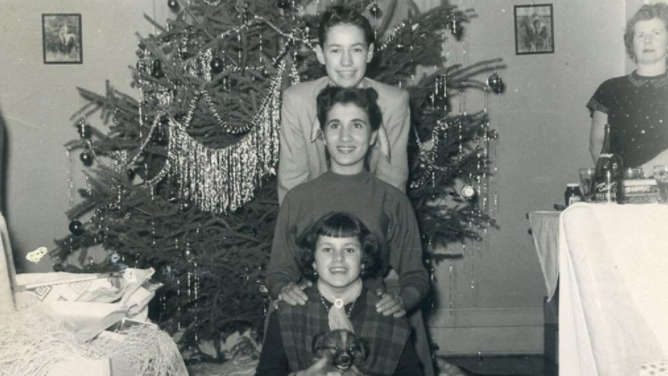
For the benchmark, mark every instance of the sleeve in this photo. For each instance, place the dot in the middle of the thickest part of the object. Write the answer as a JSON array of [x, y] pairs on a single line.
[[406, 248], [283, 267], [397, 121], [273, 360], [601, 100], [409, 362], [292, 164]]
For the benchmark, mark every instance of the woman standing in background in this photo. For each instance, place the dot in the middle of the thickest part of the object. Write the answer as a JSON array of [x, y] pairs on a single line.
[[636, 105]]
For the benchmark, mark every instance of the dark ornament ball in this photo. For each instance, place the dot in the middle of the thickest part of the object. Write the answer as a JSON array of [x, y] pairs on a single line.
[[399, 47], [173, 4], [375, 11], [130, 173], [283, 4], [76, 227], [86, 157], [217, 65], [495, 83], [185, 206]]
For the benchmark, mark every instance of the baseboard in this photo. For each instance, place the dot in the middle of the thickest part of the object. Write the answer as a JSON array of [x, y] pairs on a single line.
[[488, 331]]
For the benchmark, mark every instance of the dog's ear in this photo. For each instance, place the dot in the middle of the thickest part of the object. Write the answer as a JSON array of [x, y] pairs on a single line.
[[364, 349], [317, 344]]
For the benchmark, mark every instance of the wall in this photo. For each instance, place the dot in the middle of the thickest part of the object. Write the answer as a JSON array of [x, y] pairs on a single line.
[[37, 101], [496, 292]]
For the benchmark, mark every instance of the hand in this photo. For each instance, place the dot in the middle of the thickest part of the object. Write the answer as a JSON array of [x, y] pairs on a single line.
[[317, 369], [390, 304], [292, 293]]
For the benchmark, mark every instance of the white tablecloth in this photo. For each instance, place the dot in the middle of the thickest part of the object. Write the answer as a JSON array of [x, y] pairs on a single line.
[[545, 230], [613, 313]]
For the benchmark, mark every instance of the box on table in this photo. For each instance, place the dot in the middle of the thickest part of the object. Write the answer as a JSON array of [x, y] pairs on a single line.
[[640, 191]]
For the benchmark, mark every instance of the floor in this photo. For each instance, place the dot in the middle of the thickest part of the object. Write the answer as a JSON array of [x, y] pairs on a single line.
[[515, 365]]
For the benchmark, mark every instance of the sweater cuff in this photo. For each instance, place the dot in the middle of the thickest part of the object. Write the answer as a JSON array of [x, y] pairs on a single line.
[[417, 282], [276, 282]]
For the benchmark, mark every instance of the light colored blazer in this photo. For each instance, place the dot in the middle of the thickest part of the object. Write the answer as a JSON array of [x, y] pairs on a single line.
[[302, 154]]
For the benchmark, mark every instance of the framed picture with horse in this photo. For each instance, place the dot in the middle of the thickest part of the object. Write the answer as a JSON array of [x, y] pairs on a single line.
[[534, 29], [61, 37]]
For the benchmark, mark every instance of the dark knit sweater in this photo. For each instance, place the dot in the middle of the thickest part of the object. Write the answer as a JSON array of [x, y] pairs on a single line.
[[384, 209]]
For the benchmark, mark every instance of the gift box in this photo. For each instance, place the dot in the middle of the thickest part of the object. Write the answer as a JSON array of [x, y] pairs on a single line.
[[89, 303]]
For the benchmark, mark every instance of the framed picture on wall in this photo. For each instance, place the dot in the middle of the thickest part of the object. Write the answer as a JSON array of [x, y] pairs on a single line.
[[534, 29], [61, 38]]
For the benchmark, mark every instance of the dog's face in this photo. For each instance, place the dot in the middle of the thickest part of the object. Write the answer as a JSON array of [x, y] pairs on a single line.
[[342, 348]]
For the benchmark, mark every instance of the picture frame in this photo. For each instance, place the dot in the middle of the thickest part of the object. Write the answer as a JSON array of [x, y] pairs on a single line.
[[534, 29], [62, 38]]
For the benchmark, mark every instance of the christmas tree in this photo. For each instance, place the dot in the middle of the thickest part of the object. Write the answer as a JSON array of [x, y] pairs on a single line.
[[183, 180]]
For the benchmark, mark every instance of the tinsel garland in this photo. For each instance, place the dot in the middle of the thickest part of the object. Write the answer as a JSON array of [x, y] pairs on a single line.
[[218, 180]]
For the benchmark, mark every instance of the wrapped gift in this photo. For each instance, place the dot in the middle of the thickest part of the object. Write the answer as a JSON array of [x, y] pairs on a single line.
[[89, 303]]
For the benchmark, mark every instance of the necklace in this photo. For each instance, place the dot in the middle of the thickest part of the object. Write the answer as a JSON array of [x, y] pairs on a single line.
[[338, 303]]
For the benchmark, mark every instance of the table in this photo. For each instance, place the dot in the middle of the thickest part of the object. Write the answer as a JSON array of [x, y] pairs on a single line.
[[613, 274]]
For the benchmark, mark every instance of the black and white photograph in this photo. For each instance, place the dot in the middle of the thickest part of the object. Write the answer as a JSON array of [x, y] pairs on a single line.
[[534, 29], [62, 38], [334, 187]]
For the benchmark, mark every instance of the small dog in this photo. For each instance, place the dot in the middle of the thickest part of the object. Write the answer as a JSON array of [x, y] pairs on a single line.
[[342, 349]]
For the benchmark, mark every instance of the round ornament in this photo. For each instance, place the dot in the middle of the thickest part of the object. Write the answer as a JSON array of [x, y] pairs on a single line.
[[217, 65], [495, 83], [76, 227], [86, 157], [115, 257], [468, 191], [399, 47], [375, 11], [185, 206], [130, 173], [173, 4]]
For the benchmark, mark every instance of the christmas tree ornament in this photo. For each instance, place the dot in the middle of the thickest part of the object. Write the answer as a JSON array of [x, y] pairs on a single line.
[[467, 191], [456, 28], [157, 70], [76, 227], [217, 65], [375, 11], [173, 5], [83, 129], [283, 4], [115, 257], [495, 83], [86, 158], [130, 172], [399, 47]]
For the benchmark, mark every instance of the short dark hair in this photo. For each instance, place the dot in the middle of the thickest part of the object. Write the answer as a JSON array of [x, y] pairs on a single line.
[[338, 225], [343, 15], [365, 99], [645, 13]]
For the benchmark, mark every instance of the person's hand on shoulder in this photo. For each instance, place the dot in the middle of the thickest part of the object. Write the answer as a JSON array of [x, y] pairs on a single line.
[[293, 293]]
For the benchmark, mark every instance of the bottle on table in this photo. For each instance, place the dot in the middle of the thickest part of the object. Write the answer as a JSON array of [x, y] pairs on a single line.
[[572, 194], [607, 182]]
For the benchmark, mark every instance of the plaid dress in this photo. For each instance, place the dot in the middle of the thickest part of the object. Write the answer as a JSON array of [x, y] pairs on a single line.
[[386, 336]]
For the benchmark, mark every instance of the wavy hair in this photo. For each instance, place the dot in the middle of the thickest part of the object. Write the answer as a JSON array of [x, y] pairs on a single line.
[[338, 225], [645, 13]]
